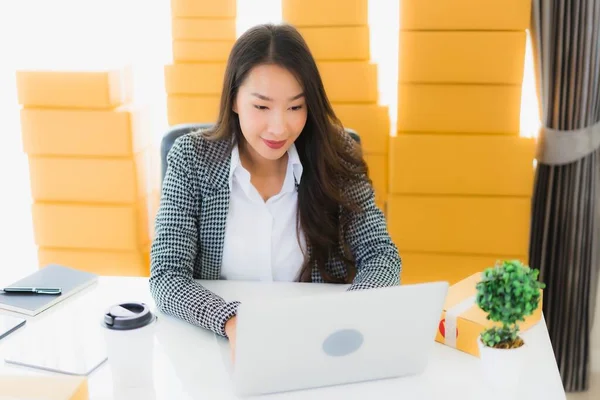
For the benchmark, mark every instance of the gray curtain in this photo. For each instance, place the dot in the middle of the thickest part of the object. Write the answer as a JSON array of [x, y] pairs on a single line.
[[565, 238]]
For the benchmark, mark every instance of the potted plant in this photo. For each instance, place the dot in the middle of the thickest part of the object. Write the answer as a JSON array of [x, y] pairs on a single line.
[[508, 292]]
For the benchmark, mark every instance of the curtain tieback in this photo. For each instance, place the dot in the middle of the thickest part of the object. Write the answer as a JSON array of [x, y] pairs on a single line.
[[557, 147]]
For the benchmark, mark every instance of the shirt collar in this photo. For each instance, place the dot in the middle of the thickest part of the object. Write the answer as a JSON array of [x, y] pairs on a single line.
[[294, 166]]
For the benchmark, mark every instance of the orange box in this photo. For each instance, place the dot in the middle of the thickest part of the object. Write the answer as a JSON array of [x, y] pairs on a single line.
[[120, 132], [459, 224], [201, 51], [465, 15], [462, 312], [201, 78], [349, 81], [91, 226], [204, 8], [370, 121], [203, 29], [459, 108], [75, 89], [462, 57], [338, 43], [103, 180], [192, 109], [113, 263], [378, 171], [28, 387], [431, 267], [462, 164], [303, 13]]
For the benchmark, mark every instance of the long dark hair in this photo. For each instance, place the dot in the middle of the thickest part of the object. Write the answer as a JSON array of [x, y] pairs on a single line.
[[331, 160]]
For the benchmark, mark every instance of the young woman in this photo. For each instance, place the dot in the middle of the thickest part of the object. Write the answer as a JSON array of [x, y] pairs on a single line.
[[276, 191]]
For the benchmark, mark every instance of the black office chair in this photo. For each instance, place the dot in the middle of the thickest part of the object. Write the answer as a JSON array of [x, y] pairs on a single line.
[[178, 130]]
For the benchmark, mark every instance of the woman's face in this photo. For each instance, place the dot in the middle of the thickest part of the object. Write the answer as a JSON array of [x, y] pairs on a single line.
[[271, 109]]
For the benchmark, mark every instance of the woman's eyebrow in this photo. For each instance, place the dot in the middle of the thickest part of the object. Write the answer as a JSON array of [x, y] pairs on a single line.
[[265, 98]]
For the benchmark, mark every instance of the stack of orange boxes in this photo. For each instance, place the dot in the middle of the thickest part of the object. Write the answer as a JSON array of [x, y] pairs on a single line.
[[93, 169], [203, 34], [337, 34], [461, 176]]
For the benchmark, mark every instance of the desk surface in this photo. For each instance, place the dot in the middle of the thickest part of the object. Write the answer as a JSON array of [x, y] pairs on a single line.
[[189, 361]]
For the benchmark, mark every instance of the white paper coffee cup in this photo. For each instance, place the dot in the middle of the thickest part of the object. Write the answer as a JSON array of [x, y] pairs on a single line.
[[129, 336]]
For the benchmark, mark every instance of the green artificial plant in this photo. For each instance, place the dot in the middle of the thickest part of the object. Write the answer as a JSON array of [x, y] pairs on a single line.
[[508, 292]]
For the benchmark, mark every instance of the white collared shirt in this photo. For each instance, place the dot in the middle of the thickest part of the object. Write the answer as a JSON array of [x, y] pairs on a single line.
[[261, 242]]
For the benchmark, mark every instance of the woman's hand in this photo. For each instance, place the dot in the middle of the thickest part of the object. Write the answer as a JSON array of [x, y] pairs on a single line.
[[230, 330]]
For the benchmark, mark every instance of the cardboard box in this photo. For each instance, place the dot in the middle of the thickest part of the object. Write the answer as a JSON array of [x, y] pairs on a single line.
[[462, 312], [349, 81], [462, 164], [462, 57], [378, 171], [490, 109], [203, 29], [370, 121], [477, 225], [204, 8], [183, 109], [201, 78], [101, 180], [103, 89], [339, 43], [31, 387], [120, 132], [201, 51], [303, 13], [507, 15], [111, 263], [430, 267], [92, 226]]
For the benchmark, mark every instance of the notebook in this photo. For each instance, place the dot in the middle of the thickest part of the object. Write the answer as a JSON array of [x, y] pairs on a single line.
[[68, 279]]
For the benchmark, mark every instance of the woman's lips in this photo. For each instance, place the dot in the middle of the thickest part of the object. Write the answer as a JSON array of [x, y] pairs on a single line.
[[274, 144]]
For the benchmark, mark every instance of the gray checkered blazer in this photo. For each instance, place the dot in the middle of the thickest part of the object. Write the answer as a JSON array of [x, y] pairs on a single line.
[[190, 232]]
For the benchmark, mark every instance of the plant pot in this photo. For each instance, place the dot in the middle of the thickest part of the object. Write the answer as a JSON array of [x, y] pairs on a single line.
[[502, 368]]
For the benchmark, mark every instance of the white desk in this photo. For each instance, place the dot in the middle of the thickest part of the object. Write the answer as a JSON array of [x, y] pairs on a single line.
[[188, 361]]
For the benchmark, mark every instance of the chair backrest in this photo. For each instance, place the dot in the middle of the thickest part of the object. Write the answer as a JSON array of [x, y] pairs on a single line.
[[179, 130]]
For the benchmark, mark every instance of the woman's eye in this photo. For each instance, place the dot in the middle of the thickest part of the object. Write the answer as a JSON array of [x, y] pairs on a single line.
[[261, 107], [296, 108]]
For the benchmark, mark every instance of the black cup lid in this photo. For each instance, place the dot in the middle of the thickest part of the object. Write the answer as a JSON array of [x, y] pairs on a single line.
[[126, 316]]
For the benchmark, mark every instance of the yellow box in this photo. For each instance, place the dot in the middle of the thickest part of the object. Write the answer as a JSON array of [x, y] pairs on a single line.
[[349, 81], [459, 108], [431, 267], [203, 29], [370, 121], [103, 180], [459, 224], [378, 172], [112, 263], [470, 323], [462, 57], [465, 15], [338, 43], [204, 8], [201, 78], [75, 89], [92, 226], [462, 164], [303, 13], [201, 51], [192, 109], [53, 132], [30, 387]]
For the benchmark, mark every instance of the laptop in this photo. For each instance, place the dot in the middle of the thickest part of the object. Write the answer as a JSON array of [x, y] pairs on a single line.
[[339, 338]]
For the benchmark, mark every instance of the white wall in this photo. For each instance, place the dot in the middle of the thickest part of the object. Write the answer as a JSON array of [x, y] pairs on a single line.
[[595, 337]]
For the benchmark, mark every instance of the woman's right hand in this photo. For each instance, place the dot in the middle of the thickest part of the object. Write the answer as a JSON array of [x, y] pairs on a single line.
[[230, 330]]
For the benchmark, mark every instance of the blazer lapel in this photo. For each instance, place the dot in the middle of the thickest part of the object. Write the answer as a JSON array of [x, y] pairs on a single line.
[[214, 208]]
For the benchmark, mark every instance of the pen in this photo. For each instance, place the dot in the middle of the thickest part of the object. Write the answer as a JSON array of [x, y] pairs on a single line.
[[32, 290]]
